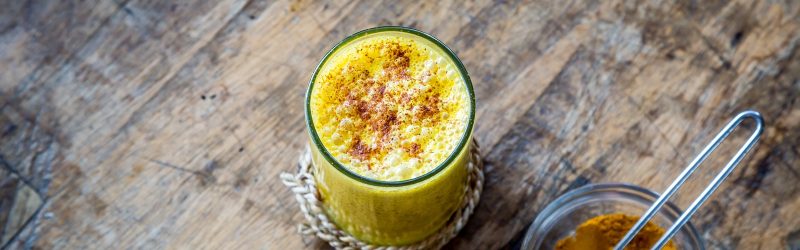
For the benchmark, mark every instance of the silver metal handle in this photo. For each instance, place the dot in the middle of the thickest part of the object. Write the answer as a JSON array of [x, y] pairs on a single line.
[[689, 170]]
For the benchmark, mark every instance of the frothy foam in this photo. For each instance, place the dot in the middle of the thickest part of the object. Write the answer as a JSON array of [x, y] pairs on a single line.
[[389, 107]]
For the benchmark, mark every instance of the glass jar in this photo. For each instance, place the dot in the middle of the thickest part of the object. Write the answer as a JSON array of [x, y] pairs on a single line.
[[561, 217], [392, 212]]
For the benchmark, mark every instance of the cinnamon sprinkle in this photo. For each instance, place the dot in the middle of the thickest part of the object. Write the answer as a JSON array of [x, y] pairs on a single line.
[[359, 150], [413, 149], [386, 103], [376, 108]]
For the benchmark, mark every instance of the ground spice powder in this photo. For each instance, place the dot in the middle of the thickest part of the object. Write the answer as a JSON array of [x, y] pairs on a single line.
[[604, 231]]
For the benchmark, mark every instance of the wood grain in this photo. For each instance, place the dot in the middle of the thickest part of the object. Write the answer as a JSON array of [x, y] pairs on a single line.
[[154, 124]]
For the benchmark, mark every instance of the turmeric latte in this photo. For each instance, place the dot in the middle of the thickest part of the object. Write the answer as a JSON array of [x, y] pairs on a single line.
[[389, 107]]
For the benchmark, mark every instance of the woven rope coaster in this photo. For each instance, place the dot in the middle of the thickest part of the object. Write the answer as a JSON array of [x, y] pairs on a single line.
[[317, 223]]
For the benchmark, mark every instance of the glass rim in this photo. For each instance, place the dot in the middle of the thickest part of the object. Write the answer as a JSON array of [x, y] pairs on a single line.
[[631, 189], [463, 142]]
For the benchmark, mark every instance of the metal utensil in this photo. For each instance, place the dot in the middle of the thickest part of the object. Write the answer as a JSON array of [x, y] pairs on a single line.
[[689, 170]]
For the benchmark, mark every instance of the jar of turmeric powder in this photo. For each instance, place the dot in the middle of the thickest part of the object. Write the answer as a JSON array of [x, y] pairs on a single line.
[[590, 217]]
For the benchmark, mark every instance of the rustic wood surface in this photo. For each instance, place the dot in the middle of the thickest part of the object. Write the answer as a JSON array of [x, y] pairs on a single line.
[[152, 124]]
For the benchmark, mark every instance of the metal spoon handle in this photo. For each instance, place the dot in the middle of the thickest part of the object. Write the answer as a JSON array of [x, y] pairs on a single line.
[[689, 170]]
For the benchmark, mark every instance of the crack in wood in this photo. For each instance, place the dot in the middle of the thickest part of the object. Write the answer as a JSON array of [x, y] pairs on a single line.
[[25, 226], [206, 176], [7, 166]]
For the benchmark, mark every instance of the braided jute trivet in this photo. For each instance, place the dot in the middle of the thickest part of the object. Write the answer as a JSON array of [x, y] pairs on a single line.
[[317, 222]]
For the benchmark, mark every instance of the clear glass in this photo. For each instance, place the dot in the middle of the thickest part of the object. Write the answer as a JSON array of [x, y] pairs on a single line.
[[392, 212], [561, 217]]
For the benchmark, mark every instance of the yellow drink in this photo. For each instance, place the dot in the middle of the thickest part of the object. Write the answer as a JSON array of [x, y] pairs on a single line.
[[390, 114]]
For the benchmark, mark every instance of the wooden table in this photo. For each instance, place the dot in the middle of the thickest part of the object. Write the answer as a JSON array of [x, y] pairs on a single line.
[[148, 124]]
